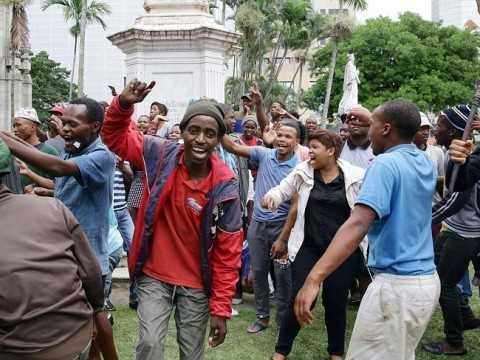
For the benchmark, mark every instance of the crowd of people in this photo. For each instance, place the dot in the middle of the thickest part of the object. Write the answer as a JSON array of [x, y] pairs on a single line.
[[227, 202]]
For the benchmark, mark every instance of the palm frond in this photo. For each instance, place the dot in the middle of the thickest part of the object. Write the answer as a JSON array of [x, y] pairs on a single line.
[[356, 4]]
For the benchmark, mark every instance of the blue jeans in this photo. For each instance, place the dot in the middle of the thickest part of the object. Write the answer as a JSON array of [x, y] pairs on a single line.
[[113, 260], [126, 227]]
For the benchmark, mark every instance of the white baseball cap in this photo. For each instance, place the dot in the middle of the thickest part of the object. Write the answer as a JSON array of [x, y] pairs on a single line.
[[424, 120], [29, 114]]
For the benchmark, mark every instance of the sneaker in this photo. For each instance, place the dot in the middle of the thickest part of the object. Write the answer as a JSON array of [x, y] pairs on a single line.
[[110, 319], [234, 312], [109, 306], [237, 301]]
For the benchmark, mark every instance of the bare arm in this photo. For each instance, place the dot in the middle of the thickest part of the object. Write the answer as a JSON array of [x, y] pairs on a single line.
[[51, 164], [344, 244], [258, 100], [37, 179], [235, 148]]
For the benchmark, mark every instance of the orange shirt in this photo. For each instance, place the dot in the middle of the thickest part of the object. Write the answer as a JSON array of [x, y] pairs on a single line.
[[175, 254]]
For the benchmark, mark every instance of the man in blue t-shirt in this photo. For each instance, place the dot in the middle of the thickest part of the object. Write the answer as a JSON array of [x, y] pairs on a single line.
[[394, 207], [84, 172], [272, 166]]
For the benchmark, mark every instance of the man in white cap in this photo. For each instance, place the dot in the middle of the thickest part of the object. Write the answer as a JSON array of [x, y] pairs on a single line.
[[25, 126], [435, 153]]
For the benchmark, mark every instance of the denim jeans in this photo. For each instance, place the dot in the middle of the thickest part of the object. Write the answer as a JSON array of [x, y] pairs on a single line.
[[157, 301], [261, 236], [126, 227], [113, 260], [453, 254]]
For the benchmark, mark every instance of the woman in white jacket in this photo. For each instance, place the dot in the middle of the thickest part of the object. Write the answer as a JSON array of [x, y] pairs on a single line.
[[327, 189]]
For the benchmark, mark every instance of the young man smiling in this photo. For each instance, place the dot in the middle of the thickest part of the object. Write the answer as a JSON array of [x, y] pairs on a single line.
[[400, 301], [84, 174], [272, 165], [188, 239]]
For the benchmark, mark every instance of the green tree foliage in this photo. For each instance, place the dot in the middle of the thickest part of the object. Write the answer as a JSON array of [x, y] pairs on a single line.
[[412, 58], [270, 30], [50, 83]]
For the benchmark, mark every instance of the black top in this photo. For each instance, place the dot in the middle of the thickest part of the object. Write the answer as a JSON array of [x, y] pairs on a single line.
[[327, 210]]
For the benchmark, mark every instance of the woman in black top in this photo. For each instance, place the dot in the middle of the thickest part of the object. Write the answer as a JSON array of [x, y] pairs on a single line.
[[323, 183]]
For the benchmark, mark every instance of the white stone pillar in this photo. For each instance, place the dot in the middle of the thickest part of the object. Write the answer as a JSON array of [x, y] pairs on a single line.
[[180, 46]]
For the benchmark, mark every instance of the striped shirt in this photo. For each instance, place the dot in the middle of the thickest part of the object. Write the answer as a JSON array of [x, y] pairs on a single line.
[[119, 193]]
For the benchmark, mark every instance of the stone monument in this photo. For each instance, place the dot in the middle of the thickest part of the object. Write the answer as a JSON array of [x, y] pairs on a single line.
[[15, 80], [180, 46]]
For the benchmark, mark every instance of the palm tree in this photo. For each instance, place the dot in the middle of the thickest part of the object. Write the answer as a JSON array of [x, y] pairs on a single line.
[[340, 28], [72, 11]]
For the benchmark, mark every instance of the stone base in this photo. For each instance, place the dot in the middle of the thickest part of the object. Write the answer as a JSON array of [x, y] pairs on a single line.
[[187, 62]]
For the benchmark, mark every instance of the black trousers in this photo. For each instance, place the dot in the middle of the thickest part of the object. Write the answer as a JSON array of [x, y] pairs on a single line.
[[334, 298], [453, 254]]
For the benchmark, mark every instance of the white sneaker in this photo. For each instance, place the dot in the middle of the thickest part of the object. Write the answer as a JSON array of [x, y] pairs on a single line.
[[237, 301], [234, 312]]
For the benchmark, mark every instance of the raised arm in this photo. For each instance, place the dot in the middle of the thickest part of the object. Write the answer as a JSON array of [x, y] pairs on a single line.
[[118, 132], [257, 98], [28, 153], [236, 148]]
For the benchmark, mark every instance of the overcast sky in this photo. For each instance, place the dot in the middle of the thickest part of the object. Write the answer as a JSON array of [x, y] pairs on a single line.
[[392, 8]]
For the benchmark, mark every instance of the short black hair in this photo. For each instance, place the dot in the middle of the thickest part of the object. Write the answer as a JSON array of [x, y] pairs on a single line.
[[161, 107], [403, 115], [95, 111], [293, 124]]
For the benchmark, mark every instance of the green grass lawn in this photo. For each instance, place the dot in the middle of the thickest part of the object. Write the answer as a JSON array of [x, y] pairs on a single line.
[[309, 345]]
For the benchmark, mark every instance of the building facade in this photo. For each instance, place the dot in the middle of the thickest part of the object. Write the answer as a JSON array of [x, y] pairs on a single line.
[[457, 13], [296, 68], [104, 63]]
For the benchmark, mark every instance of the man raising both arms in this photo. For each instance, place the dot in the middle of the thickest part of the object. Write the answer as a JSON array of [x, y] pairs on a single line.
[[188, 239], [400, 301]]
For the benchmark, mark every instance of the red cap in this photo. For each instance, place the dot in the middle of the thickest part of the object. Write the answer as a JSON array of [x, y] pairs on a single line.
[[57, 109]]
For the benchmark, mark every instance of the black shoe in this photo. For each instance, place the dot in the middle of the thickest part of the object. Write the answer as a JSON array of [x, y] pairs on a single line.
[[109, 306], [439, 348], [133, 305], [470, 324]]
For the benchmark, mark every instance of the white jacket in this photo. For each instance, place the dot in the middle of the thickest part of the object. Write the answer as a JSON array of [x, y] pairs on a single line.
[[300, 181]]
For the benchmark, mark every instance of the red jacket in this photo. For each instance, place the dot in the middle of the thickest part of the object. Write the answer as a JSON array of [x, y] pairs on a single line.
[[222, 237]]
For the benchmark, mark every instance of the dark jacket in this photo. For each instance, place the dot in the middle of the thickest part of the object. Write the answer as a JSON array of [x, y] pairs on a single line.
[[221, 228], [50, 279]]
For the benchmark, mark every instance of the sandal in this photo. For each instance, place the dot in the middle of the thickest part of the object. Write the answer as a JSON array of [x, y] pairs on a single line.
[[256, 327], [438, 348]]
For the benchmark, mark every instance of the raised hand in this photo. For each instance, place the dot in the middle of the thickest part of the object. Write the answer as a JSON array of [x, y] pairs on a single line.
[[359, 113], [256, 95], [460, 150], [57, 124], [134, 93]]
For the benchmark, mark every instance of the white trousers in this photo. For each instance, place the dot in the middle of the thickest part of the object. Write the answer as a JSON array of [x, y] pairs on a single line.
[[393, 316]]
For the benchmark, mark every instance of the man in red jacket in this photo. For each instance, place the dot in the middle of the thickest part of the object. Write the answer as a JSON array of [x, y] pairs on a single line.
[[188, 239]]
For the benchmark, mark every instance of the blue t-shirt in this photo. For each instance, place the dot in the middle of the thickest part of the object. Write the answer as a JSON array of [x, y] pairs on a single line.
[[399, 186], [270, 173], [89, 197]]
